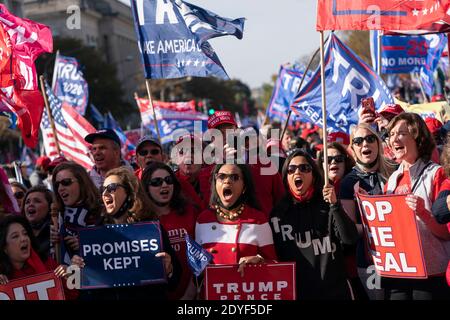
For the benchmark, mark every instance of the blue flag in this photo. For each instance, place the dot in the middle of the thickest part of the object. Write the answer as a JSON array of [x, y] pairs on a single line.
[[97, 115], [68, 83], [111, 123], [285, 89], [197, 257], [172, 38], [437, 43], [348, 80]]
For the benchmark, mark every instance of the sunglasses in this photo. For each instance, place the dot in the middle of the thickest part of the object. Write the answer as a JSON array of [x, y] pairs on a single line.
[[145, 152], [233, 177], [111, 188], [371, 138], [19, 195], [157, 182], [304, 167], [338, 159], [64, 182]]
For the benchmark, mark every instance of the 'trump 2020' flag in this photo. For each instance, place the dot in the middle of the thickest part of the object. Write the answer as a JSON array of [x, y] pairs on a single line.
[[286, 87], [68, 83], [348, 80], [425, 15], [71, 128], [172, 38], [437, 45], [197, 257]]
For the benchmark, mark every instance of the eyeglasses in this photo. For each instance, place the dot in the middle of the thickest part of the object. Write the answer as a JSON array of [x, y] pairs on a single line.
[[111, 188], [19, 195], [145, 152], [64, 182], [371, 138], [304, 167], [157, 182], [338, 159], [232, 176]]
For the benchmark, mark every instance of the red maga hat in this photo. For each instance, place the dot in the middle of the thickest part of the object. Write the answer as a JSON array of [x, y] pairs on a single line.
[[340, 137], [389, 111], [433, 124], [221, 117]]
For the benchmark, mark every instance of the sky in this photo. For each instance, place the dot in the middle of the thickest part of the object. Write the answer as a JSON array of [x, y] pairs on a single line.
[[275, 32]]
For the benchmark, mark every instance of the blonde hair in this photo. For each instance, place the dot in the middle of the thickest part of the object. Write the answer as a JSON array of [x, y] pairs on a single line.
[[385, 166]]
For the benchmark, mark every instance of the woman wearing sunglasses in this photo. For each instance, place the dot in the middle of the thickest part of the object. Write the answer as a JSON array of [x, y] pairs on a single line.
[[36, 210], [176, 214], [309, 227], [78, 202], [233, 230], [19, 191], [422, 179], [125, 201]]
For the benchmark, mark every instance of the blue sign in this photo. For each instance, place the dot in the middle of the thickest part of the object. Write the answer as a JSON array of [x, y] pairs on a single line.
[[286, 87], [68, 83], [172, 38], [348, 80], [197, 257], [405, 54], [121, 255], [437, 44]]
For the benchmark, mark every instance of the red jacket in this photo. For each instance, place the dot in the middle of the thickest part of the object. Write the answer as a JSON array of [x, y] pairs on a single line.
[[248, 235]]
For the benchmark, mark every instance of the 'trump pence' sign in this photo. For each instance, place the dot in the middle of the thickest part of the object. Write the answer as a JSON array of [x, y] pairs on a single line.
[[268, 281], [393, 237], [121, 255], [45, 286]]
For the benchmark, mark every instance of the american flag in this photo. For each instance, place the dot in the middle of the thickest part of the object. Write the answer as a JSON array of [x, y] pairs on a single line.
[[71, 128]]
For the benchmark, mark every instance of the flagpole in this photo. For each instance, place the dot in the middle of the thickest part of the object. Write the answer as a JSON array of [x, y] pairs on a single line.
[[136, 97], [298, 90], [379, 35], [49, 113], [425, 99], [147, 84], [324, 109], [54, 71], [55, 222]]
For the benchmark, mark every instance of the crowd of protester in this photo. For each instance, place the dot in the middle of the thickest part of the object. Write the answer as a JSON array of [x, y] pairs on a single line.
[[256, 217]]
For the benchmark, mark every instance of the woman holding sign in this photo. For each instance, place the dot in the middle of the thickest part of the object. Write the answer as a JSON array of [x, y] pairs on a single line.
[[412, 144], [125, 201], [233, 230], [309, 226], [176, 214], [20, 256]]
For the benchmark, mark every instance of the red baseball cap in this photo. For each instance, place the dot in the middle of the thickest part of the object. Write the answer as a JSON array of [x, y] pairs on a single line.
[[340, 137], [56, 161], [191, 137], [307, 132], [43, 162], [221, 117], [433, 124], [389, 111]]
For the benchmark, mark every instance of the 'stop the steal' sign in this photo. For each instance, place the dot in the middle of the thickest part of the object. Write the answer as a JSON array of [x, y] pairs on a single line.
[[45, 286], [393, 236], [268, 281], [121, 255]]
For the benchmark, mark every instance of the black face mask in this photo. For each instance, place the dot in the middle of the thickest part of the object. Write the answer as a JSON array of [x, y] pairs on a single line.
[[126, 205], [238, 202]]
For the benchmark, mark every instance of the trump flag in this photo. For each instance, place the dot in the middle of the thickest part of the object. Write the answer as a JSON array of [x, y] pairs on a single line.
[[348, 80], [172, 38], [425, 15]]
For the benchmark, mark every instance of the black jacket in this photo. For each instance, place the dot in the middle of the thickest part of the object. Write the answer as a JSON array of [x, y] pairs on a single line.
[[311, 233]]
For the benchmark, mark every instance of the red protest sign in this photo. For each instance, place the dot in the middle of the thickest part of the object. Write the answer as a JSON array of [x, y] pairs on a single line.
[[267, 281], [45, 286], [383, 15], [392, 234]]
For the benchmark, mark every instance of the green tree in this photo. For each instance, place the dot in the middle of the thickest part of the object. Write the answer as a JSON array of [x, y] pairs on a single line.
[[105, 90]]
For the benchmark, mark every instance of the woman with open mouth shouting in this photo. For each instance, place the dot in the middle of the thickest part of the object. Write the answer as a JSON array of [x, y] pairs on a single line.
[[125, 202], [36, 210], [176, 214], [422, 179], [20, 256], [79, 205], [369, 175], [233, 230], [309, 227]]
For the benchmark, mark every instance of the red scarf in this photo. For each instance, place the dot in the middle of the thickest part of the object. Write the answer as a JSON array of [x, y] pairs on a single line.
[[302, 198], [32, 266]]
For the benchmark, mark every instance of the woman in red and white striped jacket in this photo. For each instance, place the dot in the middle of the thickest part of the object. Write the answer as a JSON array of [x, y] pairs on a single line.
[[232, 229]]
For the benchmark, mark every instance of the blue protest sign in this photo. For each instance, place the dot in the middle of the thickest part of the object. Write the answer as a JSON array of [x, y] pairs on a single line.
[[69, 84], [172, 38], [121, 255], [285, 89], [348, 80], [197, 257]]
